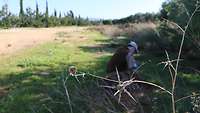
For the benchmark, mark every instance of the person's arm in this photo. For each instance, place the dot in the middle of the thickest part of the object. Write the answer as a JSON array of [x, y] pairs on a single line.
[[130, 59]]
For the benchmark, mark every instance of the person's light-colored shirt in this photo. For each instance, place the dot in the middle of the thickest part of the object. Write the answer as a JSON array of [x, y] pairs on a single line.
[[130, 59]]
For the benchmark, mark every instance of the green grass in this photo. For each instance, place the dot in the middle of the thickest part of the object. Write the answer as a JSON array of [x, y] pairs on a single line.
[[22, 72], [32, 91]]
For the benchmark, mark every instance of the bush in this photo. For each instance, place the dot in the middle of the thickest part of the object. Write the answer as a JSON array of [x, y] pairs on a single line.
[[179, 11]]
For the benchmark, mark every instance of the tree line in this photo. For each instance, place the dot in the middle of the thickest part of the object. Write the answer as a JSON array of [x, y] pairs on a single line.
[[34, 18]]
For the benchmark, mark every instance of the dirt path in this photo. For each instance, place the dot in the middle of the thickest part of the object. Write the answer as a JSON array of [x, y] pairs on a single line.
[[13, 40]]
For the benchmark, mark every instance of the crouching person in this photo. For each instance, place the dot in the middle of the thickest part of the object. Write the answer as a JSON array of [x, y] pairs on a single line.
[[123, 59]]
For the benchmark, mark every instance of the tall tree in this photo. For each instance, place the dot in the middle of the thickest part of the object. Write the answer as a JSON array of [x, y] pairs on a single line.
[[55, 13], [71, 14], [21, 13], [47, 15], [37, 11], [60, 15]]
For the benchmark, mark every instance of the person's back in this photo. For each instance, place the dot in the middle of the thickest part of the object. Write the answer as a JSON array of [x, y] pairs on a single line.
[[118, 60], [123, 59]]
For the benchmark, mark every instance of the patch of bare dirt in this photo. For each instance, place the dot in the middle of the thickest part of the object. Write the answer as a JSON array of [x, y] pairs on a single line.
[[13, 40]]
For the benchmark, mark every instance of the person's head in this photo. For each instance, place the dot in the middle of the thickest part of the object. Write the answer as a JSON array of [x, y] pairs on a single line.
[[132, 44]]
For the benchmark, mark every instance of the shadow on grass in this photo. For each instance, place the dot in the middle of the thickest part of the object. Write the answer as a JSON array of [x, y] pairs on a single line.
[[108, 45], [38, 91], [108, 48]]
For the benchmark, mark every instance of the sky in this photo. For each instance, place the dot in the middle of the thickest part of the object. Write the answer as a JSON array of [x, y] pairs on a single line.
[[99, 9]]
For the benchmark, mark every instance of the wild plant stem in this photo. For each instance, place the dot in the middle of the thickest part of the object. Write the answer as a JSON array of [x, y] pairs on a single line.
[[67, 94], [178, 59]]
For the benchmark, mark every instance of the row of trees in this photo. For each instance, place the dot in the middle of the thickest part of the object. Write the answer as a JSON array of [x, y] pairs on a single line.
[[34, 18]]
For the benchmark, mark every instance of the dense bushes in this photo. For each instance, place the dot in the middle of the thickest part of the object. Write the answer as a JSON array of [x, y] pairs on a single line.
[[179, 12], [137, 18]]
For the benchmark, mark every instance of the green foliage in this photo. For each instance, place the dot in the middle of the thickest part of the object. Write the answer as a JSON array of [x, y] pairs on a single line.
[[47, 15], [71, 14], [139, 17], [31, 89], [179, 11], [35, 77], [37, 11], [31, 18], [55, 13], [82, 21], [4, 16], [107, 22], [21, 13]]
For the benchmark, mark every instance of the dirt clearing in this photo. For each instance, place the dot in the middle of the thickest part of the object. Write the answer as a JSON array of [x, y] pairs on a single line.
[[13, 40]]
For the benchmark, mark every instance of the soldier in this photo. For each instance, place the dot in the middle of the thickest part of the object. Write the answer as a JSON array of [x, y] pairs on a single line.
[[123, 59]]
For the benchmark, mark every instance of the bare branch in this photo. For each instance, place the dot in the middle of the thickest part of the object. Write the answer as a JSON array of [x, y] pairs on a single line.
[[183, 98], [67, 94], [103, 78], [173, 23], [152, 84], [129, 94]]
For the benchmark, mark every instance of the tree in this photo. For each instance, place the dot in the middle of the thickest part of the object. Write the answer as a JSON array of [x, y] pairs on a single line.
[[21, 13], [28, 17], [33, 18], [37, 22], [179, 11], [60, 15], [55, 13], [37, 11], [47, 15], [71, 14], [107, 22], [4, 12], [4, 16]]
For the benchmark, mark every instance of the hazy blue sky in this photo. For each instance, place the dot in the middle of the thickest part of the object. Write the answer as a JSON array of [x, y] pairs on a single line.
[[107, 9]]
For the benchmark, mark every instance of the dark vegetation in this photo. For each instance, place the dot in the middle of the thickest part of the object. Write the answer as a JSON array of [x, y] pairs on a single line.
[[34, 18], [137, 18]]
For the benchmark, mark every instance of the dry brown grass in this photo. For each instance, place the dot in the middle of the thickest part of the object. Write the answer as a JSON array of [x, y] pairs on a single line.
[[12, 40], [128, 30]]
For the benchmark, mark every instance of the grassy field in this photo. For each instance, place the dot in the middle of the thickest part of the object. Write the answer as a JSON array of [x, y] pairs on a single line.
[[30, 75], [30, 80]]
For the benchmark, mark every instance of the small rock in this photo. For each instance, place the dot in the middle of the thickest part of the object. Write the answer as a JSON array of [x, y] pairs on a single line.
[[9, 45], [44, 73]]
